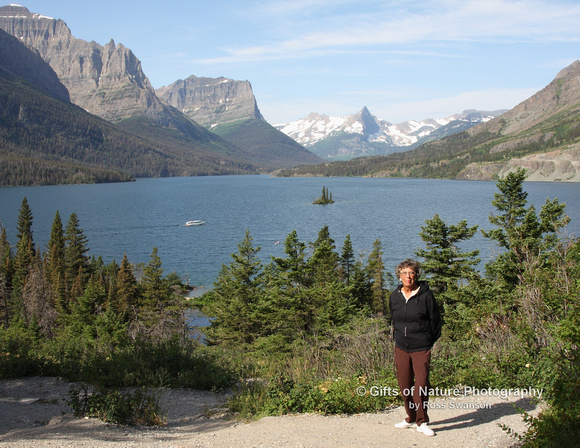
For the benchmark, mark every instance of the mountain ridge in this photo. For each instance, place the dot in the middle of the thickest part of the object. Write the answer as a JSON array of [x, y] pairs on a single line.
[[541, 134], [109, 82], [229, 109], [363, 134], [48, 140]]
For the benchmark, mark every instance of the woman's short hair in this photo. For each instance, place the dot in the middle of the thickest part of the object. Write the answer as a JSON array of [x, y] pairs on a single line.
[[408, 263]]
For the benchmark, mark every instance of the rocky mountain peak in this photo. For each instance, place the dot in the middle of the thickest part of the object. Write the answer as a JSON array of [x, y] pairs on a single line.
[[210, 101], [104, 80], [14, 10], [368, 122]]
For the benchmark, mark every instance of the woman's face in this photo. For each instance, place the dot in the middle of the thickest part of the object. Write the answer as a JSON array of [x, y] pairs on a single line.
[[408, 277]]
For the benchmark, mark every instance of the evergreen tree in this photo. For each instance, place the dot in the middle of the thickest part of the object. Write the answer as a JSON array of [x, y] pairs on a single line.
[[76, 260], [156, 291], [443, 261], [294, 266], [361, 286], [375, 269], [6, 257], [38, 308], [24, 246], [523, 234], [347, 259], [324, 260], [234, 302], [85, 310], [55, 263], [126, 292], [6, 274]]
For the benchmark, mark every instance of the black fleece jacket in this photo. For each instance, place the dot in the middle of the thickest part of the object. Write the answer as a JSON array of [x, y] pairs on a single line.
[[417, 322]]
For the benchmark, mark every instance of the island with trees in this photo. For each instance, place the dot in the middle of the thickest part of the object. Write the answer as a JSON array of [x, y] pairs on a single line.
[[324, 198]]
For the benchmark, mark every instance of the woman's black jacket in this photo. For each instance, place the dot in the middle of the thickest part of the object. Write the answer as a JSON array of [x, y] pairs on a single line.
[[417, 322]]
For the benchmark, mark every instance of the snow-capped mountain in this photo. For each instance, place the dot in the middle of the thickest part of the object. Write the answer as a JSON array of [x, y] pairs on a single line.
[[364, 134]]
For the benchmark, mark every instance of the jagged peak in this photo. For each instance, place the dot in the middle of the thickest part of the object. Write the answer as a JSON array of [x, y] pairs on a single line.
[[15, 10], [364, 111]]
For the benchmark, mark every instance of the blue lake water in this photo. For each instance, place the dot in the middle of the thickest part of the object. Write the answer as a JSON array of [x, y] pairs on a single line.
[[133, 218]]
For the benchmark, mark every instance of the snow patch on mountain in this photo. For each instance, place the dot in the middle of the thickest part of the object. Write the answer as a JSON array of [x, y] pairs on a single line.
[[316, 127]]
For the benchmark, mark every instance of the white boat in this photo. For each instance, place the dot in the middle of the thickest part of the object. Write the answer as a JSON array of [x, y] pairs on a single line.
[[196, 222]]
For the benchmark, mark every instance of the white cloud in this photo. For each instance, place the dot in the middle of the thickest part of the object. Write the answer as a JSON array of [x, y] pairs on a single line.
[[489, 100], [277, 112], [450, 21]]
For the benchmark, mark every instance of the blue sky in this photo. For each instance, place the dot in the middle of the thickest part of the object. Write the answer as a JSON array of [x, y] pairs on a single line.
[[404, 60]]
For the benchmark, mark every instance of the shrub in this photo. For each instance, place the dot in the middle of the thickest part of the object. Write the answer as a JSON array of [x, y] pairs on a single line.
[[140, 407]]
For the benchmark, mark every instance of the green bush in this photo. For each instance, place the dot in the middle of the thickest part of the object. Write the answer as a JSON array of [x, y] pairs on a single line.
[[140, 407], [282, 395]]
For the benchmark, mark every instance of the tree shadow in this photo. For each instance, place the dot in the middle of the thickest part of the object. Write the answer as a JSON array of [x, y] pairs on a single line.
[[484, 415]]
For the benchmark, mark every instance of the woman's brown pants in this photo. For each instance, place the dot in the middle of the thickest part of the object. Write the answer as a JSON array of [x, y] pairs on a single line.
[[413, 377]]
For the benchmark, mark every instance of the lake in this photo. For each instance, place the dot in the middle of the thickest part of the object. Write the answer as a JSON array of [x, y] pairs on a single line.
[[134, 217]]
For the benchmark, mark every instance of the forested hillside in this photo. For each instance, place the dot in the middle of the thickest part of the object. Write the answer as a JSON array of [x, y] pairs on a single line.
[[46, 141], [266, 145]]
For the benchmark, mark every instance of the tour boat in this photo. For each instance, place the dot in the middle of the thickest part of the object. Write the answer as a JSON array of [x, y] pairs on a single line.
[[196, 222]]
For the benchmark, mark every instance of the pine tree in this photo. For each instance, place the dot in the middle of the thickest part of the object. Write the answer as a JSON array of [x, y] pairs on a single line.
[[38, 308], [234, 301], [324, 260], [375, 269], [361, 286], [347, 259], [24, 246], [443, 261], [294, 266], [6, 274], [126, 294], [156, 291], [524, 235], [76, 260], [55, 263]]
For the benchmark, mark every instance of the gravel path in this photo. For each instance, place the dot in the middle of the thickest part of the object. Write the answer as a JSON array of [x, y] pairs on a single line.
[[33, 413]]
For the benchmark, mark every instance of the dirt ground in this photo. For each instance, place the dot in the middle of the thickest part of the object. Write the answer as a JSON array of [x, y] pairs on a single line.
[[34, 413]]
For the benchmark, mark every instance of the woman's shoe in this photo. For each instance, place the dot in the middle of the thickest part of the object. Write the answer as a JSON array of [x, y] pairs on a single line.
[[425, 430]]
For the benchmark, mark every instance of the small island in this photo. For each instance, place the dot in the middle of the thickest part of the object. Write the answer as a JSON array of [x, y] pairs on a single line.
[[325, 197]]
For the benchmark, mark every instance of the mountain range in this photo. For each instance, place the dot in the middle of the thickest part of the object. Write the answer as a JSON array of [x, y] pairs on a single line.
[[541, 135], [363, 134], [45, 139], [77, 111], [108, 82], [229, 109]]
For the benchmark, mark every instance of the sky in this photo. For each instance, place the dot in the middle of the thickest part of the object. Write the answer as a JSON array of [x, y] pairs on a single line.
[[403, 60]]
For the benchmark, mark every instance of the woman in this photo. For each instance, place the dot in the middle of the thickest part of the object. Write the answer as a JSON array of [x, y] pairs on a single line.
[[417, 325]]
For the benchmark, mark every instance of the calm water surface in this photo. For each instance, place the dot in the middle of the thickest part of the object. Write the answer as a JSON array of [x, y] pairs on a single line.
[[133, 218]]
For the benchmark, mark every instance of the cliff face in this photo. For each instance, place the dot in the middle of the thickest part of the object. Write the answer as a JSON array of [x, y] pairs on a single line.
[[562, 165], [23, 62], [106, 81], [211, 101]]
